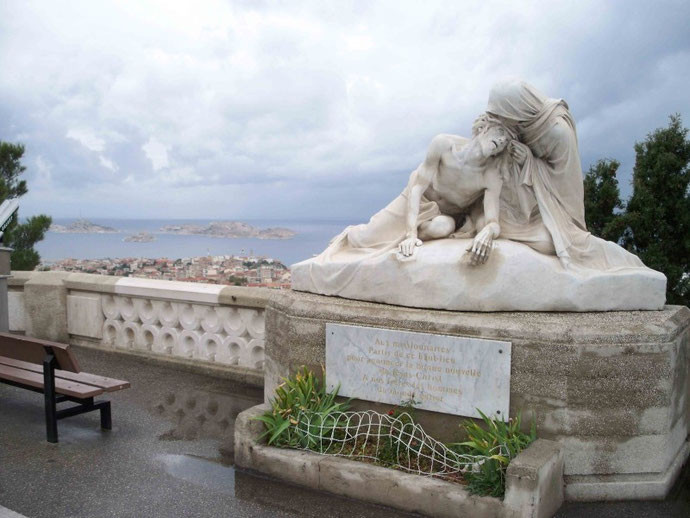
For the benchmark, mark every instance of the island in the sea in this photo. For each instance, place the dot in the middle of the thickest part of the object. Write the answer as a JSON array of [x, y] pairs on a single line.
[[141, 237], [82, 226], [231, 229]]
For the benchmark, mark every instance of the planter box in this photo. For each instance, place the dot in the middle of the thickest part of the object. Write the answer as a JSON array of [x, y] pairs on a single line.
[[534, 485]]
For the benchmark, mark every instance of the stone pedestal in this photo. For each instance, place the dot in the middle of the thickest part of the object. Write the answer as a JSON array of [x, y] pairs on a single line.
[[612, 388]]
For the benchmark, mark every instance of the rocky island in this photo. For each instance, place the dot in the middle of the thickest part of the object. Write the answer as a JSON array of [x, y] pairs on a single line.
[[230, 229], [82, 226], [141, 237]]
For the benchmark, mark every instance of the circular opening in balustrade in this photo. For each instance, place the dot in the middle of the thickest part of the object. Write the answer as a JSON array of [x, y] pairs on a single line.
[[168, 312], [168, 341], [109, 306], [148, 339], [188, 312], [146, 309], [233, 322], [127, 308], [258, 356], [235, 350], [129, 336], [210, 347], [109, 334], [188, 345], [211, 321], [257, 324]]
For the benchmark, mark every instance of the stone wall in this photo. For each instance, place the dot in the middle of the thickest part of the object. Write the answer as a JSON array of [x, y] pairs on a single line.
[[201, 323]]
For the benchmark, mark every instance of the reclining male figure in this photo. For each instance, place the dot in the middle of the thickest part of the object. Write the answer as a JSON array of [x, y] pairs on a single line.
[[455, 174]]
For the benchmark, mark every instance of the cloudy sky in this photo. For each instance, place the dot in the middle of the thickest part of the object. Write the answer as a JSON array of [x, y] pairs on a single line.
[[219, 109]]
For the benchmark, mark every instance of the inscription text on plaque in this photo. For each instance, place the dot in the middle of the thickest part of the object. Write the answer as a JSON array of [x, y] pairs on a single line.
[[449, 374]]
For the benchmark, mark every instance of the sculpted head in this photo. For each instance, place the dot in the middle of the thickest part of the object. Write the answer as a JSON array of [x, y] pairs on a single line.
[[515, 102], [493, 136]]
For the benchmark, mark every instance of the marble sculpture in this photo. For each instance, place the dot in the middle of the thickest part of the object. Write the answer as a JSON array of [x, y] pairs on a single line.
[[491, 223]]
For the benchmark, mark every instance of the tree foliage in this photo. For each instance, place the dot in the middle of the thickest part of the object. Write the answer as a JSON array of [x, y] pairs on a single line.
[[658, 213], [20, 236], [655, 223], [602, 200]]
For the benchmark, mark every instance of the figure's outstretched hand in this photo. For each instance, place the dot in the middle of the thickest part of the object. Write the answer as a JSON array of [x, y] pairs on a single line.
[[408, 246], [519, 151], [481, 246]]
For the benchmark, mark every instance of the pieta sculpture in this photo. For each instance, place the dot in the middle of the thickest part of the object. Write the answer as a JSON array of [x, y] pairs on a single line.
[[494, 222]]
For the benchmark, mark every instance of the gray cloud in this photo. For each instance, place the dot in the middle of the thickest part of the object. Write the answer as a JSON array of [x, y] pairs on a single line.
[[295, 109]]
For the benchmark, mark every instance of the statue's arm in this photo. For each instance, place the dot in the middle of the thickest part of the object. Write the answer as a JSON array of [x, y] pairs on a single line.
[[422, 180], [492, 197], [483, 242]]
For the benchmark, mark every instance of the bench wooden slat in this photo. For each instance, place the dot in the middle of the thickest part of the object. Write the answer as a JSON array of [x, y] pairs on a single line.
[[107, 384], [32, 350], [62, 386]]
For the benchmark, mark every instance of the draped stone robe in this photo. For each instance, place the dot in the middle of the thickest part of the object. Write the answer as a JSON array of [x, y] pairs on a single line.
[[543, 203]]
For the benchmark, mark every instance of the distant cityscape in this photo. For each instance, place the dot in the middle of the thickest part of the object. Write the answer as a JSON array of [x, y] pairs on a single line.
[[250, 271]]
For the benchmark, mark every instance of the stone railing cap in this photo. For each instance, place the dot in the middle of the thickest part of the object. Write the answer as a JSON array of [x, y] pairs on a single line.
[[149, 288], [20, 277]]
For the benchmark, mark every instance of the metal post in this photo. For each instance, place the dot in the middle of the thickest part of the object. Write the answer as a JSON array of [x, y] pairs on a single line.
[[49, 394], [106, 420], [5, 272], [8, 213]]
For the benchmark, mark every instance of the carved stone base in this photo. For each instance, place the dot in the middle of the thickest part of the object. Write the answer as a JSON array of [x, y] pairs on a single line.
[[515, 278], [611, 387]]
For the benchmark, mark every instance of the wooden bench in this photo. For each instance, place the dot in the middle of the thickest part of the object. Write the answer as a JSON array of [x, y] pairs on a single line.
[[52, 369]]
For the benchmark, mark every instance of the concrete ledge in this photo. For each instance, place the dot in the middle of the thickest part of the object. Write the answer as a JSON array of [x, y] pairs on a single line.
[[534, 485], [534, 479]]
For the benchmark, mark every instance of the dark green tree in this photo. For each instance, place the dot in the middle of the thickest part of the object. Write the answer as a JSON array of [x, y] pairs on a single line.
[[20, 236], [658, 213], [603, 204]]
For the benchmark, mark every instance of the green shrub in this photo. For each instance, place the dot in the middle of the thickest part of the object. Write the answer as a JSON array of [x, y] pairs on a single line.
[[302, 392], [500, 441]]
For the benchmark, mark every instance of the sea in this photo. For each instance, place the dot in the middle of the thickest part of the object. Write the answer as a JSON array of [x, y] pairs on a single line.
[[312, 237]]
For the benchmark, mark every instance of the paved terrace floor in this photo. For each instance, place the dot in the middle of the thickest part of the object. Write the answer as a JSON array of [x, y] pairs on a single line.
[[170, 453]]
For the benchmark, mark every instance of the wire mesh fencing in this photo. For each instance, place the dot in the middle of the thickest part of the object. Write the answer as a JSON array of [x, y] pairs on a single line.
[[395, 440]]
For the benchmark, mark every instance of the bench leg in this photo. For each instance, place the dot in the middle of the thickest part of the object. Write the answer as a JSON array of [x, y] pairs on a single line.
[[106, 421], [49, 396]]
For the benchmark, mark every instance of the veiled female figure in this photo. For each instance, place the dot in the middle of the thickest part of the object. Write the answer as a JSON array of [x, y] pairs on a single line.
[[543, 205]]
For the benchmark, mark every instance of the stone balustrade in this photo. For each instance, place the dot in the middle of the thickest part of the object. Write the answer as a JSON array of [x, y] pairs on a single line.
[[204, 323]]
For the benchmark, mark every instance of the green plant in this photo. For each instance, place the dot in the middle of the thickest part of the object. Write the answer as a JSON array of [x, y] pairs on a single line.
[[498, 440], [300, 393], [20, 236]]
